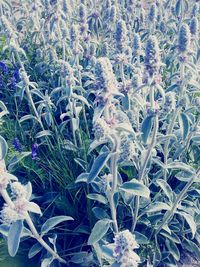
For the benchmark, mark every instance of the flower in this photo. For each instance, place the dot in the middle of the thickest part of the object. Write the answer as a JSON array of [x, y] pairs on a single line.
[[152, 16], [101, 129], [21, 206], [184, 38], [9, 215], [17, 146], [113, 14], [123, 247], [5, 177], [129, 259], [194, 26], [127, 150], [106, 181], [82, 13], [152, 58], [136, 44], [18, 190], [106, 80], [121, 36], [3, 67], [34, 151]]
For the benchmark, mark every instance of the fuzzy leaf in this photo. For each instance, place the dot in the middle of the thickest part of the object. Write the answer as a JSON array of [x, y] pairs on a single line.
[[173, 249], [3, 148], [34, 250], [146, 128], [98, 231], [33, 207], [180, 166], [158, 206], [190, 221], [166, 188], [184, 125], [135, 187], [43, 133], [98, 165], [27, 117], [98, 197], [52, 222], [14, 235]]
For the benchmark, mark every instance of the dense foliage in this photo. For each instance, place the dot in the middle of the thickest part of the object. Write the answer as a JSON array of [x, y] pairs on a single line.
[[100, 131]]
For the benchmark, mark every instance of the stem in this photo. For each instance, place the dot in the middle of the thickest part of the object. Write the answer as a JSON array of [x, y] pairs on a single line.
[[28, 93], [170, 213], [142, 170], [169, 131], [114, 183], [36, 235], [40, 240]]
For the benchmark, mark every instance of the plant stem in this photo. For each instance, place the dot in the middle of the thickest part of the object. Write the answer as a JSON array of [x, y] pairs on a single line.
[[114, 183], [170, 213], [142, 170], [35, 233]]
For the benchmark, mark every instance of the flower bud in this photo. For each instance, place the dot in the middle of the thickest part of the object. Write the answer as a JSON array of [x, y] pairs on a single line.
[[136, 44], [194, 26], [101, 129], [18, 190], [152, 16], [104, 49], [184, 38], [121, 35], [113, 14], [9, 215], [123, 249], [152, 59], [106, 80], [82, 13]]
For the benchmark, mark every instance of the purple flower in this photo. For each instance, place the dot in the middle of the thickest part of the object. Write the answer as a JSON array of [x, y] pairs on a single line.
[[16, 74], [17, 146], [3, 67], [34, 151], [1, 82], [13, 83]]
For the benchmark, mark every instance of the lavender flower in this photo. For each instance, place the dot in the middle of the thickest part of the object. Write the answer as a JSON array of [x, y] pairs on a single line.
[[152, 59], [82, 13], [123, 249], [108, 4], [113, 14], [162, 27], [17, 146], [18, 190], [34, 151], [152, 16], [194, 26], [121, 36], [195, 10], [8, 215], [106, 80], [136, 45], [127, 150], [3, 67], [101, 129], [184, 39]]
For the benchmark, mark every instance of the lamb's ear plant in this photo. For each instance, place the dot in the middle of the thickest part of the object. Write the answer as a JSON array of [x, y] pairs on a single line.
[[16, 221], [104, 124]]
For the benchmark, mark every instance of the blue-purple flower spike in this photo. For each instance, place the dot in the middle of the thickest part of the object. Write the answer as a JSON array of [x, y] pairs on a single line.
[[34, 151]]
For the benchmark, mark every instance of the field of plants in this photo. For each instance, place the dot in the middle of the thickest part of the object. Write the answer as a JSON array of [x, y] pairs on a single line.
[[99, 133]]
